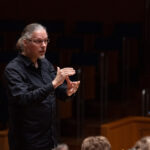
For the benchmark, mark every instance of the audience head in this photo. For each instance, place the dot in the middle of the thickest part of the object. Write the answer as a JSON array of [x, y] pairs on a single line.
[[96, 143], [142, 144], [61, 147]]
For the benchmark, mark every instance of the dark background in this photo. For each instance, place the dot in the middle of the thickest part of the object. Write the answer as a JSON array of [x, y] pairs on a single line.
[[108, 41]]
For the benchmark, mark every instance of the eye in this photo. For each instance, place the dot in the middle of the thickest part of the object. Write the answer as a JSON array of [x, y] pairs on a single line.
[[39, 41], [46, 41]]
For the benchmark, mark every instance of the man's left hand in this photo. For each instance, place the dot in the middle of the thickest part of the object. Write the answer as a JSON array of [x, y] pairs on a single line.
[[72, 86]]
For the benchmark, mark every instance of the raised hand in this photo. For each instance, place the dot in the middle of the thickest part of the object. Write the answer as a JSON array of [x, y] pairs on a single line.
[[72, 87], [61, 75]]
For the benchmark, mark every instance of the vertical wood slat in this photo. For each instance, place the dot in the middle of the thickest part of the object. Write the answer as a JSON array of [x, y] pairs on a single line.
[[4, 140]]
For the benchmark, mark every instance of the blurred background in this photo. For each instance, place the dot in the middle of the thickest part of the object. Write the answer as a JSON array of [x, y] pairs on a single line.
[[106, 41]]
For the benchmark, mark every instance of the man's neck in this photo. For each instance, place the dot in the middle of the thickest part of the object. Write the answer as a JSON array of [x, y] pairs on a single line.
[[34, 61]]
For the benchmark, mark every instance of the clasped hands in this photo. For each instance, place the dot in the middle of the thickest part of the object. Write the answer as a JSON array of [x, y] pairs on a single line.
[[62, 75]]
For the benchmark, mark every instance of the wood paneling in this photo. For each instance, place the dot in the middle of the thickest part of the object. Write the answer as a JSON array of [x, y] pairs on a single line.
[[4, 140], [123, 133]]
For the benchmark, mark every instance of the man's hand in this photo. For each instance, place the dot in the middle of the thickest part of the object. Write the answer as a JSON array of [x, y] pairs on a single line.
[[61, 75], [72, 87]]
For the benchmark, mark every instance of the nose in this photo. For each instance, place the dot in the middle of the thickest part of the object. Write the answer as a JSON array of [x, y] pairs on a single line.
[[43, 43]]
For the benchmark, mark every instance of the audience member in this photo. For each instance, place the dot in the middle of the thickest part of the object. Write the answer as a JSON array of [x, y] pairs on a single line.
[[142, 144], [61, 147], [96, 143]]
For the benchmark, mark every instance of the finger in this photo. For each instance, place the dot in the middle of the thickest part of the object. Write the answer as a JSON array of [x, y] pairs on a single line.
[[58, 69], [67, 78], [69, 73], [67, 70], [76, 83]]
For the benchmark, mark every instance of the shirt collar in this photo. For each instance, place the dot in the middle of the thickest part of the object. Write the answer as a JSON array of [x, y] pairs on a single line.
[[27, 61]]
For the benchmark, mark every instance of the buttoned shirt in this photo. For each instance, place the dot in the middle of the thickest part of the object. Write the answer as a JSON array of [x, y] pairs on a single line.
[[32, 104]]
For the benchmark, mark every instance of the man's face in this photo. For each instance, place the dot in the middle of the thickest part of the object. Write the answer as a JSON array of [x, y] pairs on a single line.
[[35, 47]]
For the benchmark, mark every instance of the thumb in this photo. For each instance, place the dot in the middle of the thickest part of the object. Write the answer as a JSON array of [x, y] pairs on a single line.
[[67, 79], [58, 69]]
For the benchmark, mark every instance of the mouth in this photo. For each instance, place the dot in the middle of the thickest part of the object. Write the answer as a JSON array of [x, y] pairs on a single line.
[[42, 52]]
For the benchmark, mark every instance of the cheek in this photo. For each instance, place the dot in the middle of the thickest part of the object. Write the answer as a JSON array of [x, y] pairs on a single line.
[[34, 49]]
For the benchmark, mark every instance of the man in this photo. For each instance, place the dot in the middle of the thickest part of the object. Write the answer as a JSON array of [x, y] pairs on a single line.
[[33, 86]]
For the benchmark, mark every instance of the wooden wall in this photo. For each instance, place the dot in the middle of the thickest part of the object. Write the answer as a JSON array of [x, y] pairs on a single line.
[[125, 132]]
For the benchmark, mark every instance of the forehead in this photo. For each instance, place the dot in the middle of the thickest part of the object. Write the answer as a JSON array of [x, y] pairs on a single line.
[[39, 34]]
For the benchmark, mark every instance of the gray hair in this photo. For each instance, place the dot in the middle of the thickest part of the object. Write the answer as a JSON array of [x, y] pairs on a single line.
[[96, 143], [62, 146], [142, 144], [27, 33]]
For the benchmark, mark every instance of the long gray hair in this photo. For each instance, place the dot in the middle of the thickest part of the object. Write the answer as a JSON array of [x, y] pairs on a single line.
[[27, 33]]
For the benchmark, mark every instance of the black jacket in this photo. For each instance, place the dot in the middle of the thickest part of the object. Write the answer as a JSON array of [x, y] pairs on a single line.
[[31, 104]]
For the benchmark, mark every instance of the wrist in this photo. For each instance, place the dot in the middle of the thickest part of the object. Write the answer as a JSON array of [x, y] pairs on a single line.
[[54, 84]]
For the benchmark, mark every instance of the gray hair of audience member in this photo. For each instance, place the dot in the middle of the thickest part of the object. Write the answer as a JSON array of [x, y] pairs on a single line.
[[142, 144], [96, 143], [61, 147], [27, 34]]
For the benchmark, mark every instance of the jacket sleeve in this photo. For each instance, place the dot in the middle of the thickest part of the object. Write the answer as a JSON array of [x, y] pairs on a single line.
[[20, 92], [60, 91]]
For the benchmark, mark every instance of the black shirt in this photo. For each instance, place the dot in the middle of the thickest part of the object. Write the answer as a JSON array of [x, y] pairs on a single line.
[[31, 104]]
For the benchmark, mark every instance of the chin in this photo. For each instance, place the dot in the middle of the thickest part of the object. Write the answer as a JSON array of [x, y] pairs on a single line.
[[42, 57]]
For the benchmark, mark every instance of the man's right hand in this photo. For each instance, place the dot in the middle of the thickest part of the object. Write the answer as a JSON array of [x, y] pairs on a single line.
[[61, 75]]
